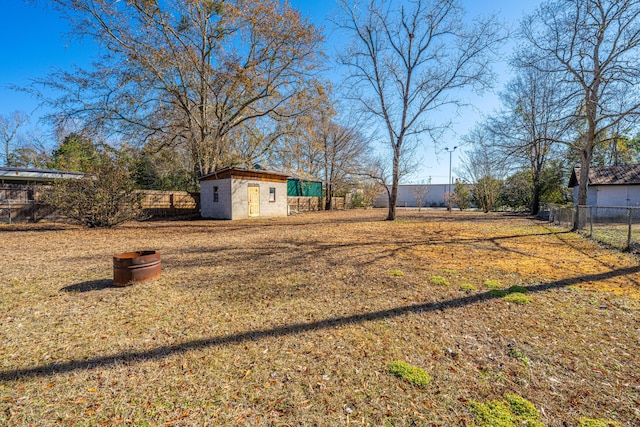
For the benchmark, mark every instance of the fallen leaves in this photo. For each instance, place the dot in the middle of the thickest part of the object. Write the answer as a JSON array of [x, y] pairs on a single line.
[[229, 279]]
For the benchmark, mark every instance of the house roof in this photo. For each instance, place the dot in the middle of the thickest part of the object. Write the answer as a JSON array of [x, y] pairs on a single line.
[[30, 174], [255, 174], [609, 175]]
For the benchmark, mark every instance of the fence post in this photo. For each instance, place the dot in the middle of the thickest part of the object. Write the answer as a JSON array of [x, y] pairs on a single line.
[[574, 212], [590, 221], [629, 214], [9, 202]]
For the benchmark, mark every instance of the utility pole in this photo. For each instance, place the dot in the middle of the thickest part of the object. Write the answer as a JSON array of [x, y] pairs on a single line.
[[450, 159]]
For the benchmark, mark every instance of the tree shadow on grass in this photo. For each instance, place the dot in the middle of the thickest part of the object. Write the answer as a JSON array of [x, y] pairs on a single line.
[[91, 285], [286, 330]]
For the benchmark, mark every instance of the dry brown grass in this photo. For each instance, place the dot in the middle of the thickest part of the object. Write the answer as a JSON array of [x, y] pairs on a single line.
[[295, 321]]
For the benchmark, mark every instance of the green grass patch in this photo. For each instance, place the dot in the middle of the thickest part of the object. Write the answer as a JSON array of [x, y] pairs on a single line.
[[514, 352], [467, 287], [438, 280], [513, 411], [515, 294], [499, 293], [492, 284], [517, 298], [412, 374], [396, 273], [597, 422]]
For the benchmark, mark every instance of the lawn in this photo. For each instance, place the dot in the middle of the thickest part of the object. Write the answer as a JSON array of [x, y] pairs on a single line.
[[296, 321], [616, 235]]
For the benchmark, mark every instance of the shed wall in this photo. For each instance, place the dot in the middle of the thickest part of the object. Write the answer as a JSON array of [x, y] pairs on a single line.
[[222, 209], [240, 198]]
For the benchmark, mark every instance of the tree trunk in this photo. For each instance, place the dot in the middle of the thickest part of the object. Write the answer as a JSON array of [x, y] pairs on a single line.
[[537, 193], [393, 196], [583, 182], [329, 198]]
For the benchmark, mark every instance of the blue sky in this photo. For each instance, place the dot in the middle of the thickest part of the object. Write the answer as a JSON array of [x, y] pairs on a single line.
[[34, 42]]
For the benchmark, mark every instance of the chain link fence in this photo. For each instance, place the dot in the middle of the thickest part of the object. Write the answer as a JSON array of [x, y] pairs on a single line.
[[617, 226]]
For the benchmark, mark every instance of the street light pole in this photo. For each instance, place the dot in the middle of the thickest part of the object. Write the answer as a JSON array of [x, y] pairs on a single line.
[[450, 159]]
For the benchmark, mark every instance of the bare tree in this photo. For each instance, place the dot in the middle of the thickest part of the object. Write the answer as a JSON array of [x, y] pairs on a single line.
[[371, 182], [592, 48], [408, 60], [485, 168], [344, 148], [529, 126], [32, 152], [9, 126], [420, 192], [190, 72]]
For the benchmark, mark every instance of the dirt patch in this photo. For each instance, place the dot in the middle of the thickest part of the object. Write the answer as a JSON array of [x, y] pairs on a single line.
[[295, 321]]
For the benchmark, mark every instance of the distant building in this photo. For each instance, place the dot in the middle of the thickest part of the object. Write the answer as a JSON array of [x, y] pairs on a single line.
[[30, 176], [435, 196], [22, 188], [610, 185]]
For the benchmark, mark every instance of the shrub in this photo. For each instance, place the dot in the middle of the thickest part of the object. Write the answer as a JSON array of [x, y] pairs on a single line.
[[396, 273], [102, 199], [412, 374], [467, 287], [461, 196], [438, 280], [492, 284], [517, 289]]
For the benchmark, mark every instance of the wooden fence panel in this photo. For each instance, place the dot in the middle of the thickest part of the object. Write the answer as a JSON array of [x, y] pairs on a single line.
[[312, 204], [169, 203], [20, 203]]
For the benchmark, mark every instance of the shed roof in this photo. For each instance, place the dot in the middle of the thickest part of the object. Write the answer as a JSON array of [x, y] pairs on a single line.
[[261, 175], [31, 174], [609, 175]]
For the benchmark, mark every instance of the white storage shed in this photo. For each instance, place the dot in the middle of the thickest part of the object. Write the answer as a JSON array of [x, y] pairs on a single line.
[[235, 193]]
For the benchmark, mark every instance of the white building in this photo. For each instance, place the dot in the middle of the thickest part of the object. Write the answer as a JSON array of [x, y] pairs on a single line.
[[235, 193], [610, 185], [409, 193]]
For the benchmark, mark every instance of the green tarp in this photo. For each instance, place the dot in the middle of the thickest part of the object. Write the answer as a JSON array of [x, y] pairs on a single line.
[[298, 188]]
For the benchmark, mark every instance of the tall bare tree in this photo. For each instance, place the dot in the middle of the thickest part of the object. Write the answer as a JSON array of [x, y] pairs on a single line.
[[343, 155], [9, 126], [592, 47], [191, 72], [485, 171], [407, 60], [530, 124]]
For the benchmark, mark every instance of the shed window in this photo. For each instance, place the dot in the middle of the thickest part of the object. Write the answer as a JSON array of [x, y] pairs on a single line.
[[272, 194], [215, 194]]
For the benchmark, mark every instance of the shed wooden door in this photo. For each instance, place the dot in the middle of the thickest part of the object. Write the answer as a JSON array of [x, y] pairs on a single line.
[[254, 201]]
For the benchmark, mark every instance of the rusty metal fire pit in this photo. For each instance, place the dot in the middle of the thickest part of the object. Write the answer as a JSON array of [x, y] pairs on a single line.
[[136, 267]]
